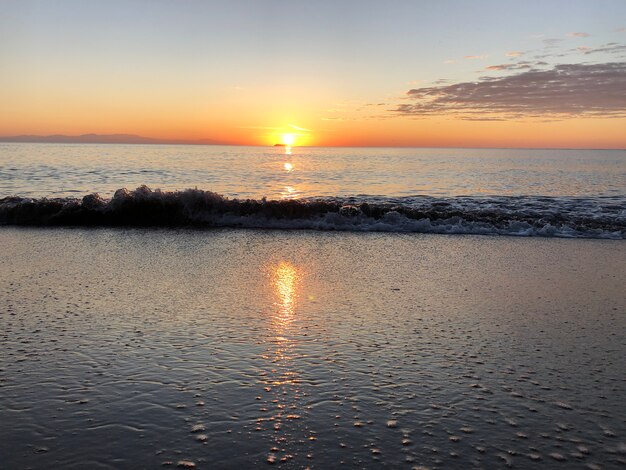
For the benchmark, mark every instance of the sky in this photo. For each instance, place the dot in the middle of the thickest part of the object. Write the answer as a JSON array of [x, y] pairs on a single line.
[[329, 73]]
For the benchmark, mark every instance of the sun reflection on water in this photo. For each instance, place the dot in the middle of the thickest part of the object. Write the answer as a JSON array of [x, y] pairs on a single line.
[[285, 279], [289, 192], [282, 409]]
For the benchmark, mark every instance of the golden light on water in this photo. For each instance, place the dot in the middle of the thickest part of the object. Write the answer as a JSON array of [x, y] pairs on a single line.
[[281, 391], [285, 280], [289, 192], [288, 166]]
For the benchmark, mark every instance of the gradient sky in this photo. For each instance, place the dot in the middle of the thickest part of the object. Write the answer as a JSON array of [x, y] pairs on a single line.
[[341, 72]]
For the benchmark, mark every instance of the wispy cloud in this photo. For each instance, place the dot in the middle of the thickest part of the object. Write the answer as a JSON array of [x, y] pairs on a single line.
[[608, 48], [579, 35], [562, 92], [471, 57], [551, 42], [298, 128], [270, 128], [517, 66], [520, 65], [514, 54]]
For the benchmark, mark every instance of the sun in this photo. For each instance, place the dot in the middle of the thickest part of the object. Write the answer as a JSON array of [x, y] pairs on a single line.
[[289, 139]]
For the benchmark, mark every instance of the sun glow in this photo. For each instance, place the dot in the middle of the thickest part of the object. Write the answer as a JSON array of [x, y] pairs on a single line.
[[289, 139]]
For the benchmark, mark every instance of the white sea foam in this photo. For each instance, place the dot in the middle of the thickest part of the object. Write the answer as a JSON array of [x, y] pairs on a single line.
[[600, 217]]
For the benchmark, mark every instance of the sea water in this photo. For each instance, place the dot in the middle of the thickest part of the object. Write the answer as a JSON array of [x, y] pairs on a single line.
[[141, 328], [566, 193]]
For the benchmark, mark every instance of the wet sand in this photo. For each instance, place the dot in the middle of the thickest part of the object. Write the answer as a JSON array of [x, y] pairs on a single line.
[[241, 348]]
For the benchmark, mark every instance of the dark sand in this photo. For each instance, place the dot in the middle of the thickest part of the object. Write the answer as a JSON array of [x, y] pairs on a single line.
[[229, 348]]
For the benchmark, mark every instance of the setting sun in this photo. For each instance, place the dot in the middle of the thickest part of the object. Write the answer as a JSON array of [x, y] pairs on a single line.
[[289, 139]]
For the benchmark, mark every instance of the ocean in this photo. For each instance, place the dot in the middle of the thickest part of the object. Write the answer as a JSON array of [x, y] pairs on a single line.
[[562, 193], [243, 307]]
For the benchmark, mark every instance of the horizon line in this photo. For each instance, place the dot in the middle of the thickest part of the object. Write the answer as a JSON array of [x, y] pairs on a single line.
[[207, 142]]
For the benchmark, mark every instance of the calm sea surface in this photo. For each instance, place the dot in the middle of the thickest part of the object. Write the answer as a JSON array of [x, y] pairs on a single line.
[[36, 170]]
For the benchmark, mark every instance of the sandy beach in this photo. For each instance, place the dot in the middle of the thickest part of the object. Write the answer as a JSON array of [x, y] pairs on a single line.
[[312, 235], [130, 348]]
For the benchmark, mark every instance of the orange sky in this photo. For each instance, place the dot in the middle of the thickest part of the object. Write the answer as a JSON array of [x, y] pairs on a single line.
[[217, 73], [260, 123], [268, 129]]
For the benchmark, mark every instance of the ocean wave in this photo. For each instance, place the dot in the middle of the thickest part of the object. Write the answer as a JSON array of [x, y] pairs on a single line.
[[601, 217]]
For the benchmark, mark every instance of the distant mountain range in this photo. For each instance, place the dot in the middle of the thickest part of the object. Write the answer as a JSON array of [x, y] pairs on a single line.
[[103, 139]]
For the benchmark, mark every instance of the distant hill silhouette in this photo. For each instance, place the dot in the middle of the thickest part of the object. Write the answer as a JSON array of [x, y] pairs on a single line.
[[102, 139]]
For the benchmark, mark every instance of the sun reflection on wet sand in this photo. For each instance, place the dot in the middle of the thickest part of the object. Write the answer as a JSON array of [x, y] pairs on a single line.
[[281, 403], [285, 279]]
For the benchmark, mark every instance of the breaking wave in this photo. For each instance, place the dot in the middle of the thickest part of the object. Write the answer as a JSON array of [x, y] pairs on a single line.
[[601, 217]]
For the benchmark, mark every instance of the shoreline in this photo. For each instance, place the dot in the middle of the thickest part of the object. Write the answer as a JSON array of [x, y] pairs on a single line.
[[234, 347]]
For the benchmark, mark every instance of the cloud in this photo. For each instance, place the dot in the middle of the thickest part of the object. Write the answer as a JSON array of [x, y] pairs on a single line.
[[514, 54], [551, 42], [521, 65], [608, 48], [579, 35], [565, 91], [293, 126], [518, 66], [475, 57]]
